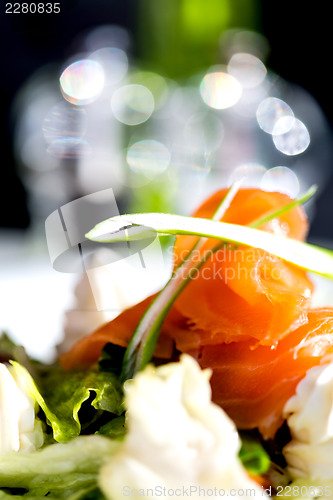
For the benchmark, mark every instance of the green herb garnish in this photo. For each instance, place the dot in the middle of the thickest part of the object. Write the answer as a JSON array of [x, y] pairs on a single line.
[[61, 396], [253, 456], [309, 257]]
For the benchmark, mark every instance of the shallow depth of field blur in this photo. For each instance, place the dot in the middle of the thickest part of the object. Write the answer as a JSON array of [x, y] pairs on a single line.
[[150, 107]]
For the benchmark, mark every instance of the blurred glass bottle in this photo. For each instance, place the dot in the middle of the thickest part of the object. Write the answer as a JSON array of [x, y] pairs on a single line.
[[180, 37]]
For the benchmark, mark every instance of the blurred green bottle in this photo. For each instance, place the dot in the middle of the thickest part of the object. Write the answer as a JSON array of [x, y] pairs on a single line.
[[178, 38]]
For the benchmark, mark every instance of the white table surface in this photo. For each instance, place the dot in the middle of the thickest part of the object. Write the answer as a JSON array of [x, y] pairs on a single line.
[[36, 301]]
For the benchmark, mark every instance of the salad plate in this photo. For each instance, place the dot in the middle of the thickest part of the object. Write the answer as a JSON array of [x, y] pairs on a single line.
[[219, 384]]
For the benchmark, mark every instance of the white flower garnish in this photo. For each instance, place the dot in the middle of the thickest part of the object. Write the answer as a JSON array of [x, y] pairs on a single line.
[[177, 438], [19, 429], [310, 418]]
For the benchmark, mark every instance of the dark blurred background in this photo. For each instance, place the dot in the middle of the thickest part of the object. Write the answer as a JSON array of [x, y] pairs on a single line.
[[299, 37]]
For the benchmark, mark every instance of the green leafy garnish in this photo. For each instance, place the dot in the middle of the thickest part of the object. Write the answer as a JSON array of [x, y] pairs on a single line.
[[115, 429], [62, 470], [253, 456], [62, 395]]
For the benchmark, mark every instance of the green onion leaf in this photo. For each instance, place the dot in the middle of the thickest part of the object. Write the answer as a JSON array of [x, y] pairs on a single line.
[[142, 344], [285, 208], [309, 257], [253, 456]]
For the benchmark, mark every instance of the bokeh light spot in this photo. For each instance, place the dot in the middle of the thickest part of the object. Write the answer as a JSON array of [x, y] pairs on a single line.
[[148, 158], [251, 174], [114, 63], [237, 40], [132, 104], [69, 147], [248, 69], [156, 83], [64, 128], [269, 113], [281, 179], [295, 141], [82, 82], [64, 120], [220, 90]]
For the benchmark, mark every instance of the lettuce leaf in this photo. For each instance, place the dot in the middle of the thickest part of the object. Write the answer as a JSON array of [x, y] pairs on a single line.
[[61, 396], [91, 493], [114, 429], [61, 470]]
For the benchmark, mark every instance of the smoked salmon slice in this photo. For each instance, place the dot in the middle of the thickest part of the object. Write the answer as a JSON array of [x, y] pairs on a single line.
[[245, 292], [266, 300], [118, 331], [253, 383]]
